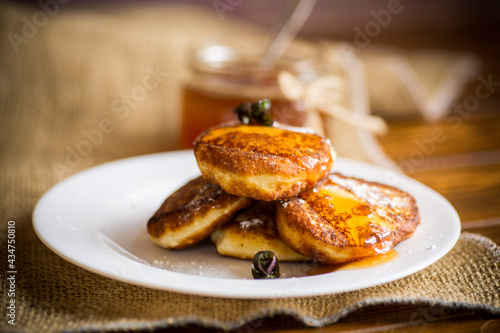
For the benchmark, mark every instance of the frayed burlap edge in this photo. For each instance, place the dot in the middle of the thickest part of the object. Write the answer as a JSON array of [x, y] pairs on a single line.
[[355, 301]]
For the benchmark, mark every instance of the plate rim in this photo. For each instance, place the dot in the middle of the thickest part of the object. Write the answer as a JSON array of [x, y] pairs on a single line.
[[195, 285]]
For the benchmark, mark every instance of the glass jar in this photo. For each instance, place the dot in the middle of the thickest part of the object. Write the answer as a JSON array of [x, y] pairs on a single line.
[[221, 77]]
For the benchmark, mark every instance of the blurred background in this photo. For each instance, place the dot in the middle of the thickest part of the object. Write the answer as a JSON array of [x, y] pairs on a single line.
[[88, 82], [442, 23], [69, 68]]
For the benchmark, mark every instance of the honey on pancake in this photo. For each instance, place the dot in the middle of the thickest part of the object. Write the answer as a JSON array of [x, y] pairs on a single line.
[[363, 263], [296, 146], [357, 220], [263, 162], [344, 219]]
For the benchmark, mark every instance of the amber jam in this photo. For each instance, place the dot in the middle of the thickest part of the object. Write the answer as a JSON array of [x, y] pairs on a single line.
[[222, 77]]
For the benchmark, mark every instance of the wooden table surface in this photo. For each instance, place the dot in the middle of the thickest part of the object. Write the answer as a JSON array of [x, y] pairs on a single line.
[[465, 168]]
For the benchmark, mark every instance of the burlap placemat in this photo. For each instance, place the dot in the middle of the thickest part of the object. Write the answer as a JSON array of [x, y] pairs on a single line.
[[72, 79], [53, 295]]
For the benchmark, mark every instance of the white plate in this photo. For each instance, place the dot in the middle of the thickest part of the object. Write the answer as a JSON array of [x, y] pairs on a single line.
[[97, 220]]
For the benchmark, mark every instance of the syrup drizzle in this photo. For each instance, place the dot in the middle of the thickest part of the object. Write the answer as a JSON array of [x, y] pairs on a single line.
[[363, 263]]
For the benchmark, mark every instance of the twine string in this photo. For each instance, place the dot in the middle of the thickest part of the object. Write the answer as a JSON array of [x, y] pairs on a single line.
[[324, 96]]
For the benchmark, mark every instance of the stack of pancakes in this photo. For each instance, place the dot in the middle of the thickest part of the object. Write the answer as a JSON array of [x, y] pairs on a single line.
[[271, 188]]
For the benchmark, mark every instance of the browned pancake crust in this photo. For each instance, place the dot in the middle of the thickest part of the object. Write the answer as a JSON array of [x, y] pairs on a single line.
[[180, 214], [259, 218], [285, 161], [345, 218], [252, 230]]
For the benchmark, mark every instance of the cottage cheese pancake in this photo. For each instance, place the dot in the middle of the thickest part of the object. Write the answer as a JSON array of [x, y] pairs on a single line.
[[261, 162], [192, 213], [252, 230], [344, 219]]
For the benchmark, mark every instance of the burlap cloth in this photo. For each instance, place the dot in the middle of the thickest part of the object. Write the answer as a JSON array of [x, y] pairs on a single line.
[[66, 79]]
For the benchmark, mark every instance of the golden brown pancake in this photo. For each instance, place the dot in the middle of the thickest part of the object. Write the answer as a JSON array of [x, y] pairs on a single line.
[[264, 163], [192, 213], [252, 230], [344, 219]]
